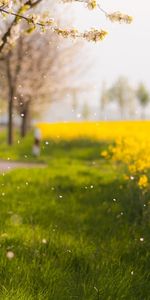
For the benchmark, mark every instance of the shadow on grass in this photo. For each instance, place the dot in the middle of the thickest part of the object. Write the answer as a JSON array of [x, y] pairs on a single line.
[[21, 150]]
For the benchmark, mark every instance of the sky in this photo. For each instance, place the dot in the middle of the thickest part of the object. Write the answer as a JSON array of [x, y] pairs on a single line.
[[126, 50]]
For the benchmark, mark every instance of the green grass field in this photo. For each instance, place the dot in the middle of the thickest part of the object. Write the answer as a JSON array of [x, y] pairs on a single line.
[[70, 239]]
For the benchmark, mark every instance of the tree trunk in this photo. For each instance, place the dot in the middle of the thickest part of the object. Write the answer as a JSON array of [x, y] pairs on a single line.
[[10, 119], [143, 117], [10, 100], [24, 122]]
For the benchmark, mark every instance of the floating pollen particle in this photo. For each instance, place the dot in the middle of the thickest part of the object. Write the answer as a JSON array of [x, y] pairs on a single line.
[[10, 255]]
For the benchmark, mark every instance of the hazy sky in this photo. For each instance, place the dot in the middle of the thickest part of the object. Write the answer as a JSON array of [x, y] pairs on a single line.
[[126, 50]]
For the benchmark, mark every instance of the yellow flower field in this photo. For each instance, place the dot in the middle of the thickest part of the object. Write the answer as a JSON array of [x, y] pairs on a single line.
[[132, 141], [75, 130], [106, 131]]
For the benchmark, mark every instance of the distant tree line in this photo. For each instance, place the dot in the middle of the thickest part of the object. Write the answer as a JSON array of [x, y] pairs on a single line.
[[126, 97]]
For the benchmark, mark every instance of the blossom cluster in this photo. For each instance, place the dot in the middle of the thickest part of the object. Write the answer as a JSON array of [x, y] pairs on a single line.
[[113, 17], [91, 35], [91, 4], [119, 17], [8, 8]]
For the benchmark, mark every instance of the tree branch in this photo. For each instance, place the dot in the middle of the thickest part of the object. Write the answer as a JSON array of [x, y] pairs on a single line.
[[14, 22]]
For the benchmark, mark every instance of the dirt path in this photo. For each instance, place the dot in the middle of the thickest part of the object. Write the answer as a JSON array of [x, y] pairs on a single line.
[[10, 165]]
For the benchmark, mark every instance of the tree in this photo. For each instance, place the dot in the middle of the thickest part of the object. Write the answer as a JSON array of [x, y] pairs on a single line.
[[104, 99], [85, 111], [35, 70], [143, 97], [18, 11], [124, 95]]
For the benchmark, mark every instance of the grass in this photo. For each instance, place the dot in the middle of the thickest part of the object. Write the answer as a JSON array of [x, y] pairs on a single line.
[[70, 239]]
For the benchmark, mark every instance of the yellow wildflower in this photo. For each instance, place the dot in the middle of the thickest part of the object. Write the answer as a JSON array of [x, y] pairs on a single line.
[[143, 182], [104, 153]]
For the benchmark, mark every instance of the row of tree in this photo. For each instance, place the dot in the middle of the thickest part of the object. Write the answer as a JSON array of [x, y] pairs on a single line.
[[126, 97], [34, 71]]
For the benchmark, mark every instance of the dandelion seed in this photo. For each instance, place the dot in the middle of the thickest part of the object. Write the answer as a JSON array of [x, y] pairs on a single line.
[[91, 186], [141, 239], [132, 272], [44, 241], [114, 200], [60, 196], [78, 116], [10, 255], [47, 143]]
